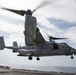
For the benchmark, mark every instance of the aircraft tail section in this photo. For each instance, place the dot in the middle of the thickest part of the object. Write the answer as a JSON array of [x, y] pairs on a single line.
[[2, 43], [15, 45]]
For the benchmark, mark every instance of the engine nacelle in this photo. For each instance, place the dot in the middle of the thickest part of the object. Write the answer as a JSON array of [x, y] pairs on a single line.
[[30, 30]]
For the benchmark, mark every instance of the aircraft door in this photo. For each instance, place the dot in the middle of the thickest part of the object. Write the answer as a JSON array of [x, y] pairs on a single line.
[[55, 46]]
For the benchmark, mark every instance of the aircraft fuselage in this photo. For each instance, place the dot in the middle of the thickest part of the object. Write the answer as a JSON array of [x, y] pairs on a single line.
[[47, 49]]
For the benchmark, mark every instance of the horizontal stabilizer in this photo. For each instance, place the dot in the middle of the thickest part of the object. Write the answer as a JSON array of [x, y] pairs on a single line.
[[14, 47], [2, 44]]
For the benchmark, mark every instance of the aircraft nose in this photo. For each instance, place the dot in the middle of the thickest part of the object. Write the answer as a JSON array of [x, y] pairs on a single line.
[[73, 51]]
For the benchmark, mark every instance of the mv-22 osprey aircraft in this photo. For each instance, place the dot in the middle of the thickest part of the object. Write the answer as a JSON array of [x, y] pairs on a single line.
[[35, 44]]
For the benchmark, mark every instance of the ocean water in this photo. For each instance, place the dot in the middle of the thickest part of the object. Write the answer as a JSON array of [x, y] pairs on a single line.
[[47, 68]]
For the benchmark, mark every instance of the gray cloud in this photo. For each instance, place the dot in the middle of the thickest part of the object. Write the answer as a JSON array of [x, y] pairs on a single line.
[[11, 20], [62, 24]]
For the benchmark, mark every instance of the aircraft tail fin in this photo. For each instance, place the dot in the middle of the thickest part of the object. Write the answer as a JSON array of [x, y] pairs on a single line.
[[2, 43], [15, 45]]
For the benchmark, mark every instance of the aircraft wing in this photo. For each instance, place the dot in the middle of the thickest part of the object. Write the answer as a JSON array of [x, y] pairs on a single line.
[[39, 38]]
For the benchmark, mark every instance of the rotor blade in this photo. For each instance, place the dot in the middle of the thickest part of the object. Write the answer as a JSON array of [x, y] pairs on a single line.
[[20, 12], [42, 5], [54, 38]]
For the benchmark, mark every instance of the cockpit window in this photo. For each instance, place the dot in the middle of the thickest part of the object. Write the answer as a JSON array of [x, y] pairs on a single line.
[[64, 45]]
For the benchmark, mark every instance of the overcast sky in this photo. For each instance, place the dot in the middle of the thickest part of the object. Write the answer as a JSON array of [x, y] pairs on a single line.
[[58, 19]]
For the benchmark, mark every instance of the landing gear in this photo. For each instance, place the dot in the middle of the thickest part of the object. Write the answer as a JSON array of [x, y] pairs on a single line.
[[30, 57], [37, 58], [72, 57]]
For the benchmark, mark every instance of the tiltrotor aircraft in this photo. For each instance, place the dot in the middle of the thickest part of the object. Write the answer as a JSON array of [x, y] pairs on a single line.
[[35, 44]]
